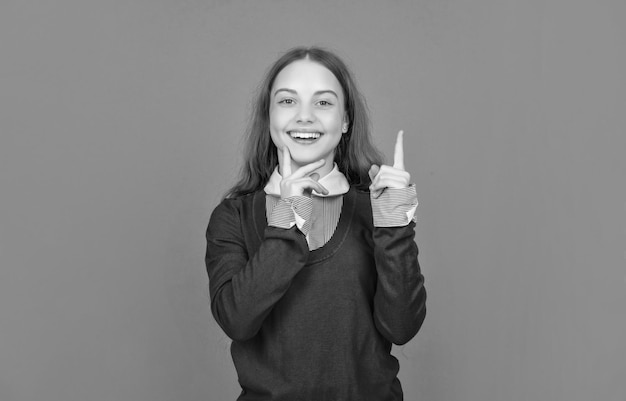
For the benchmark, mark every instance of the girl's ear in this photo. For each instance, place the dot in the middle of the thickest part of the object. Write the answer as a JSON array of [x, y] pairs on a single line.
[[346, 124]]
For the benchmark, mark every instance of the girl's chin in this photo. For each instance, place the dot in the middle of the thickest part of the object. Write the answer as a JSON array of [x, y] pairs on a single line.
[[296, 163]]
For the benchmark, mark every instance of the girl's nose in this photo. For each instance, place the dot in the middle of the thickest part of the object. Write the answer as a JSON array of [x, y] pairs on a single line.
[[305, 115]]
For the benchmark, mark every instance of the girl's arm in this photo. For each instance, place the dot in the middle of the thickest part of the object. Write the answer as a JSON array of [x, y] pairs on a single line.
[[400, 299], [244, 288]]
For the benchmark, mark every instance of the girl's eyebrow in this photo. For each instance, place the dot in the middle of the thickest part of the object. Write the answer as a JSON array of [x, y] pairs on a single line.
[[315, 94]]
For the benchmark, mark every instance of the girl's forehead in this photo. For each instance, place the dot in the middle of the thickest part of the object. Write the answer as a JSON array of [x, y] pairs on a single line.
[[306, 74]]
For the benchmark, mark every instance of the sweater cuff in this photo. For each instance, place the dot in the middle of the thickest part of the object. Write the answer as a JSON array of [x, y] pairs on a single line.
[[395, 207], [295, 210]]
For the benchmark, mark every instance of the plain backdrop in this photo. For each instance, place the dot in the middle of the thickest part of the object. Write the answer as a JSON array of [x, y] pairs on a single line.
[[120, 130]]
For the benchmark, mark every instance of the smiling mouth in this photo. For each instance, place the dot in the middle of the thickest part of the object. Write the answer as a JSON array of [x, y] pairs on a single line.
[[304, 137]]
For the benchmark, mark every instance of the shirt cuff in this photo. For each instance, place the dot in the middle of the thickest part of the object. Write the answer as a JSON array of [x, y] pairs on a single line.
[[395, 207], [295, 210]]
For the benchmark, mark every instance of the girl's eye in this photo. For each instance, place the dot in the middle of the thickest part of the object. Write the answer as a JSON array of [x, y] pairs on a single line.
[[286, 101], [324, 103]]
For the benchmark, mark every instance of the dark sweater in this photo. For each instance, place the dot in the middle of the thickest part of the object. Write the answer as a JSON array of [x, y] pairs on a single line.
[[314, 325]]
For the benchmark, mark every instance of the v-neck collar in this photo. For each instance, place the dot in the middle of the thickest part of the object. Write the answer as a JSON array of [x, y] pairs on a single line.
[[338, 237]]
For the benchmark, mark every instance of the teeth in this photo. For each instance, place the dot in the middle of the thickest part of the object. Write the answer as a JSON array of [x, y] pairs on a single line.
[[305, 135]]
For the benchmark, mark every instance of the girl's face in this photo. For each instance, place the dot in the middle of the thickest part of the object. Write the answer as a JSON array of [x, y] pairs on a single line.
[[307, 114]]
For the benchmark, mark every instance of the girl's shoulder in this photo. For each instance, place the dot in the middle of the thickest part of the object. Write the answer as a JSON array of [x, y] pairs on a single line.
[[233, 206], [239, 198]]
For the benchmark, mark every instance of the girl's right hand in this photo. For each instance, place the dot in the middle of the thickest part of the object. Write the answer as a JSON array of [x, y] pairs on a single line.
[[300, 182]]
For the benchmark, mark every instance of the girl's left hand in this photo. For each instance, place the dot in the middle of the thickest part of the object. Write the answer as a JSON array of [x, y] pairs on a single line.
[[390, 176]]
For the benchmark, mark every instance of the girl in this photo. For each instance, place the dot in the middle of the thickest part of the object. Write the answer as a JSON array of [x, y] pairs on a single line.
[[311, 256]]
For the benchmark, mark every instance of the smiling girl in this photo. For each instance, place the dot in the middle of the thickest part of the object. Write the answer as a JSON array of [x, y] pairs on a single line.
[[311, 256]]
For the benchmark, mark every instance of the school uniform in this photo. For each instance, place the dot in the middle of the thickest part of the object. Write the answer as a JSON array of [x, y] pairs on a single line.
[[314, 291]]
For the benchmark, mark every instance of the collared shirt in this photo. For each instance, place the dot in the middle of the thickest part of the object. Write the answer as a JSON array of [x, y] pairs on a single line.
[[317, 216]]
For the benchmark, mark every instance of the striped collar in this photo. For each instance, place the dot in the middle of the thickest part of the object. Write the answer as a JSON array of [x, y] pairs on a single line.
[[335, 182]]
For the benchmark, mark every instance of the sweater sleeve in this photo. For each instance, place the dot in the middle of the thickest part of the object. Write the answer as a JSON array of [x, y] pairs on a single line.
[[394, 207], [244, 288], [295, 210], [400, 299]]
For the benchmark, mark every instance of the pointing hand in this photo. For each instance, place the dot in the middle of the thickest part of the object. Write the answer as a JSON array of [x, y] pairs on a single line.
[[300, 182], [390, 176]]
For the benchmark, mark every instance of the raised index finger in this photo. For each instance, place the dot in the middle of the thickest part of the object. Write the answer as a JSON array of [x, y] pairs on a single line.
[[398, 154]]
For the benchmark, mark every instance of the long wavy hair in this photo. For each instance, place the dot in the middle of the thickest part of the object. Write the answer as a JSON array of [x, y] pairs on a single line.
[[355, 153]]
